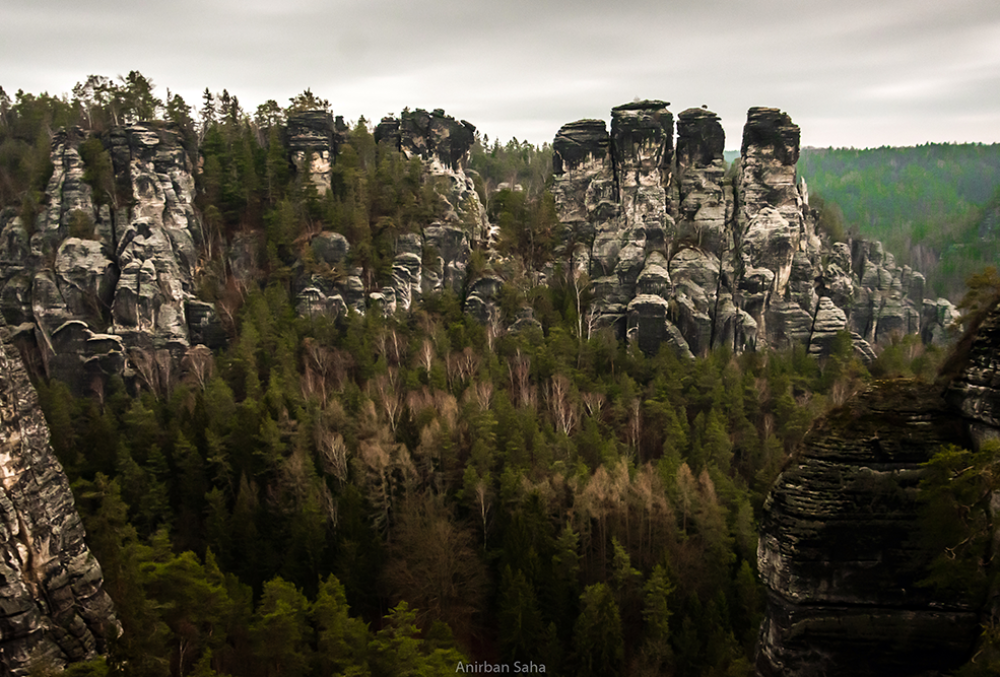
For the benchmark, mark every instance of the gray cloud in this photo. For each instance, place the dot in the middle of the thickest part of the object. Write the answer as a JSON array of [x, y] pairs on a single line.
[[854, 72]]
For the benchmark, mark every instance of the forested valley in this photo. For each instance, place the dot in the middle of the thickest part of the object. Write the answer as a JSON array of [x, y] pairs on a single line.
[[934, 206], [396, 495]]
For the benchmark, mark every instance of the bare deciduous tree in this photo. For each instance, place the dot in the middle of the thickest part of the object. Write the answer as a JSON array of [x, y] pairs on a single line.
[[461, 366], [426, 354], [468, 363], [434, 565], [442, 403], [481, 392], [198, 366], [390, 345], [384, 387], [593, 320], [593, 402], [333, 455], [319, 367], [343, 362], [519, 369], [621, 486], [384, 466], [565, 412], [427, 454]]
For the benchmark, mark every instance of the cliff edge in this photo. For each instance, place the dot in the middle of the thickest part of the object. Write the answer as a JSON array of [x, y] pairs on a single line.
[[52, 604]]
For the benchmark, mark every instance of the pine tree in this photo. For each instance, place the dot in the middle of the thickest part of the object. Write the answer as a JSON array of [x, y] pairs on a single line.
[[281, 632], [656, 651], [341, 640], [518, 617], [598, 641]]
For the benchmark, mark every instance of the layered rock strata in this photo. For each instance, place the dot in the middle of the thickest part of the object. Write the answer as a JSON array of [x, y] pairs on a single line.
[[677, 249], [975, 391], [587, 197], [103, 281], [840, 550], [704, 194], [738, 259], [313, 146], [53, 608]]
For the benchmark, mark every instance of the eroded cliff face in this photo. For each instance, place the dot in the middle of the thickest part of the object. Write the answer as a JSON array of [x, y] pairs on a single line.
[[678, 248], [314, 139], [680, 251], [433, 260], [975, 392], [841, 550], [104, 284], [52, 605]]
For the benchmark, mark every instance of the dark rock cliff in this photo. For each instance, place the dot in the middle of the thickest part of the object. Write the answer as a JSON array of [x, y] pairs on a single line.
[[314, 138], [841, 551], [680, 251], [975, 391], [436, 138], [52, 604]]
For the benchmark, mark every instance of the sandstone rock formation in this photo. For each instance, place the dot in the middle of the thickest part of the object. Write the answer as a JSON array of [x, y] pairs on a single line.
[[105, 278], [704, 194], [433, 260], [975, 391], [840, 552], [314, 139], [840, 548], [52, 604], [677, 248], [736, 257]]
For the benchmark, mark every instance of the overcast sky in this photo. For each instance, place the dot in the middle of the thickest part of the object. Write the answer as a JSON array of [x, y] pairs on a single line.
[[849, 72]]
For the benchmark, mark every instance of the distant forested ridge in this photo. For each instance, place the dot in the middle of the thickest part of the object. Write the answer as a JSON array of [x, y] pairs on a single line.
[[934, 206]]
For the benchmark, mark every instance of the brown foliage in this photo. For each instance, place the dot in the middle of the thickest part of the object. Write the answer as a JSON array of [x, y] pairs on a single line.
[[198, 366], [521, 389]]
